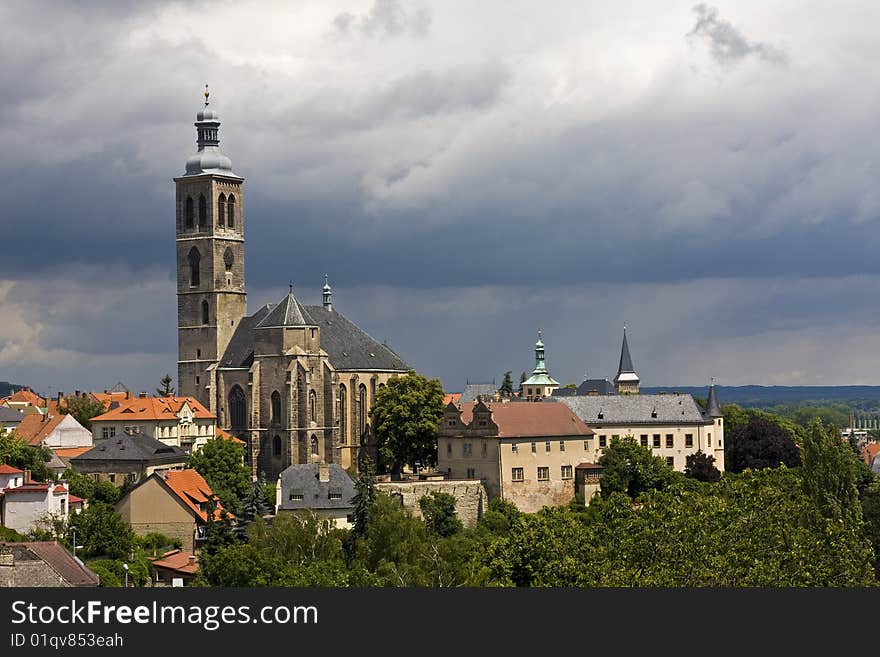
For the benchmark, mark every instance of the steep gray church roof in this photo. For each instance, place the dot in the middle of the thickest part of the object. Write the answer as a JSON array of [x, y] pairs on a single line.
[[474, 390], [240, 350], [287, 313], [634, 409], [350, 347], [713, 408]]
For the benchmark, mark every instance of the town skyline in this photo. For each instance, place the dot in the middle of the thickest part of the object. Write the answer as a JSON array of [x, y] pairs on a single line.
[[705, 182]]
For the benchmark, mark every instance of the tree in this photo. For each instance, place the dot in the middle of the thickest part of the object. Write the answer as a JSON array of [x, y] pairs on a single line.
[[364, 497], [438, 510], [522, 379], [219, 530], [221, 463], [83, 408], [16, 452], [166, 390], [105, 492], [761, 443], [632, 469], [256, 505], [102, 532], [405, 420], [830, 472], [701, 466], [506, 389]]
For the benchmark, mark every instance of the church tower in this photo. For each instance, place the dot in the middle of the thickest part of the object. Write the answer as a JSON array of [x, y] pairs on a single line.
[[626, 381], [211, 299]]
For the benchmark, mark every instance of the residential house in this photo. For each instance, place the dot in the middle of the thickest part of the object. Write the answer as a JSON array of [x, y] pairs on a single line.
[[179, 421], [33, 505], [10, 477], [174, 503], [54, 430], [25, 400], [175, 568], [326, 489], [127, 458], [10, 418], [524, 453], [42, 564]]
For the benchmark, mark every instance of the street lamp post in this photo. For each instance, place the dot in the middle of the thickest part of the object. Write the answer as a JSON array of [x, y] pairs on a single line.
[[125, 568], [73, 531]]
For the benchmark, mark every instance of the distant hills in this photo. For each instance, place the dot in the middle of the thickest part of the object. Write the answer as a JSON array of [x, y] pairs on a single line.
[[7, 388], [768, 395]]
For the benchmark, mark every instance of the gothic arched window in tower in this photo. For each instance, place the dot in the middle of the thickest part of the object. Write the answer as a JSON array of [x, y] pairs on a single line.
[[205, 312], [188, 213], [221, 210], [230, 212], [237, 409], [228, 259], [275, 410], [203, 211], [313, 406], [276, 445], [314, 445], [362, 409], [343, 414], [194, 257]]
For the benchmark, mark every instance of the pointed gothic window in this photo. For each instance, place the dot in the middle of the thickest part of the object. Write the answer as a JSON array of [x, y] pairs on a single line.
[[221, 210], [228, 259], [203, 211], [276, 446], [343, 414], [194, 258], [314, 445], [188, 213], [275, 413], [230, 212], [313, 406], [237, 409], [205, 312], [362, 409]]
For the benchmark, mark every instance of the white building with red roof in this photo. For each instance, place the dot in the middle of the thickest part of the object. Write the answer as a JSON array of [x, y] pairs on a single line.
[[176, 421], [26, 505]]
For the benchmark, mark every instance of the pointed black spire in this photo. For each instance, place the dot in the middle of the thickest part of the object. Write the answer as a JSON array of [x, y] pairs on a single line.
[[626, 381], [713, 408], [626, 363]]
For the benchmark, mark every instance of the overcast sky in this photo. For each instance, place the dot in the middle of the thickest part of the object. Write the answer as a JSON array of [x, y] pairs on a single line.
[[466, 172]]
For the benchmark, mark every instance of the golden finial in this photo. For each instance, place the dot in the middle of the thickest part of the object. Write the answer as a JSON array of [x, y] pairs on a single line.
[[207, 93]]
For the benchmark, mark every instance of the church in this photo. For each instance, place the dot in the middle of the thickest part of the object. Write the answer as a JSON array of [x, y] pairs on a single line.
[[295, 382]]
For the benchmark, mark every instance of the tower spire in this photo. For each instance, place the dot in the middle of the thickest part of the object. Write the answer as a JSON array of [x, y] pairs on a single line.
[[328, 293], [208, 159], [627, 381]]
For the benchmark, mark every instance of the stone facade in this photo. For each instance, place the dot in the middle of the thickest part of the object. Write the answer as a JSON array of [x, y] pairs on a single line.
[[471, 497]]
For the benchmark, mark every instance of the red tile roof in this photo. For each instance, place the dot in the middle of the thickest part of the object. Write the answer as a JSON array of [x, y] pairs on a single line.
[[870, 451], [70, 452], [28, 396], [31, 487], [33, 429], [451, 397], [154, 408], [193, 490], [531, 419], [228, 436], [8, 469], [179, 561], [73, 499]]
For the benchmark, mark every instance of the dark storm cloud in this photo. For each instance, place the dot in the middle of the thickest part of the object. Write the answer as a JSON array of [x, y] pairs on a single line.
[[386, 18], [727, 43]]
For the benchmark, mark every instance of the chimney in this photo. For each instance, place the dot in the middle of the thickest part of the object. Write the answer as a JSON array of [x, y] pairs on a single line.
[[192, 559], [77, 393], [60, 397], [27, 476], [106, 392], [323, 472], [143, 395], [127, 394]]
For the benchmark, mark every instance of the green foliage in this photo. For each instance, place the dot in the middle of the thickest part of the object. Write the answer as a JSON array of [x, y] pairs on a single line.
[[16, 452], [156, 543], [761, 443], [11, 536], [499, 517], [102, 532], [105, 492], [112, 573], [83, 409], [522, 379], [870, 502], [405, 419], [701, 466], [12, 449], [219, 531], [221, 463], [255, 505], [632, 469], [165, 389], [79, 484], [438, 509], [364, 497], [106, 570], [830, 473], [506, 389]]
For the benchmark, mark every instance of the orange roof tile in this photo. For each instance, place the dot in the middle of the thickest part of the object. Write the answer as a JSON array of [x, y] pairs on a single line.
[[516, 419], [108, 397], [228, 436], [33, 429], [870, 451], [451, 397], [70, 452], [178, 560], [26, 395], [154, 408], [192, 489], [8, 469]]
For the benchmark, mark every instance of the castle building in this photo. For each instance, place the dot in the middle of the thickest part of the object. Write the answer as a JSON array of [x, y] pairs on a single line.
[[295, 382]]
